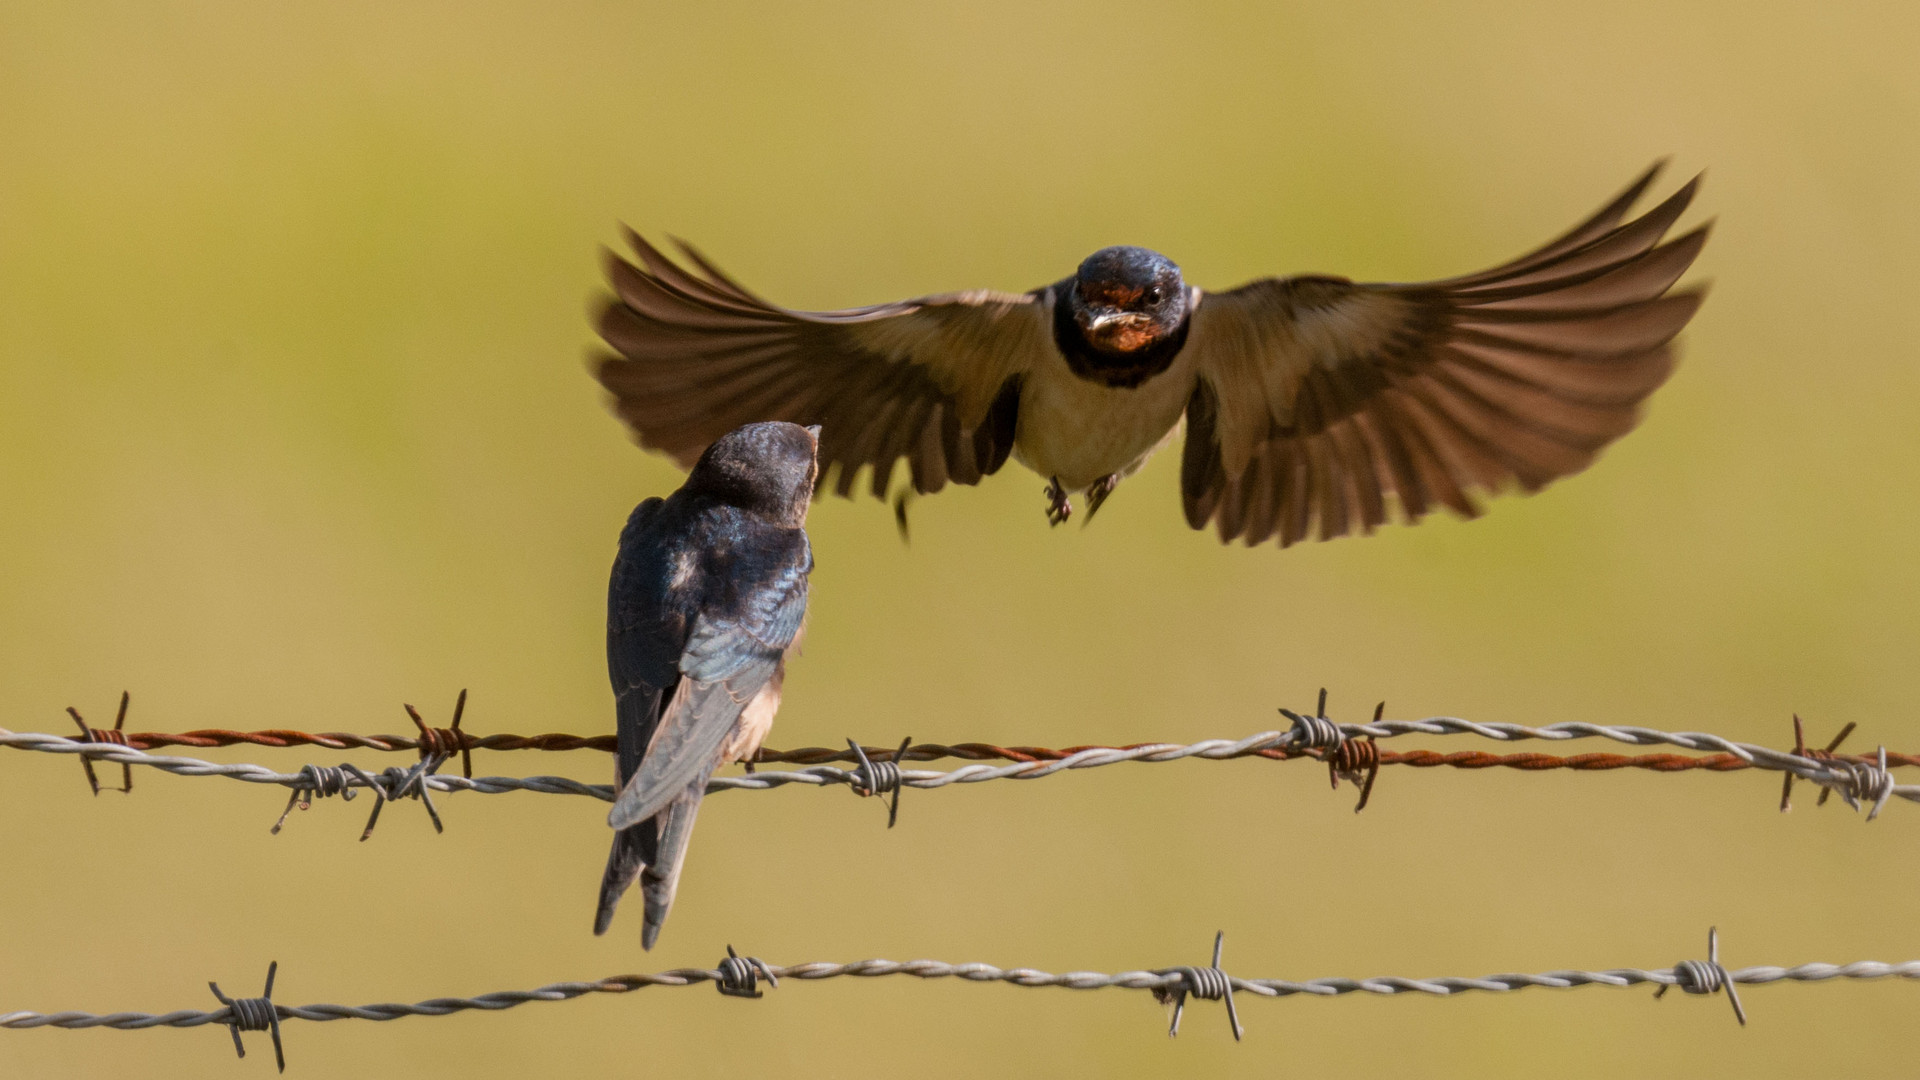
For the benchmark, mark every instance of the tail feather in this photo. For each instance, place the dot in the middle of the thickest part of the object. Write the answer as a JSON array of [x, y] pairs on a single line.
[[661, 878], [637, 711], [632, 850]]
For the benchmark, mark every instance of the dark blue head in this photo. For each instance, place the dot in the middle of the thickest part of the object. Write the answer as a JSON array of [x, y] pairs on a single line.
[[1125, 299], [767, 469]]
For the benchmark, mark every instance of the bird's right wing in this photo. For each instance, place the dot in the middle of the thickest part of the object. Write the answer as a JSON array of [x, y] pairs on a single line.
[[935, 380], [727, 661]]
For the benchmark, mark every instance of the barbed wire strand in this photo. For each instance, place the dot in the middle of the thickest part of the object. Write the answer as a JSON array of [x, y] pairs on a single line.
[[1163, 980], [209, 738], [1842, 773]]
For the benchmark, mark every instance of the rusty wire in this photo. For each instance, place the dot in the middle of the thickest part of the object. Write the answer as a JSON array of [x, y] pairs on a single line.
[[975, 751]]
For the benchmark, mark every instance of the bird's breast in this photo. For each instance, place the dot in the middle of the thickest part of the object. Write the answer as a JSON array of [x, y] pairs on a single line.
[[1079, 430]]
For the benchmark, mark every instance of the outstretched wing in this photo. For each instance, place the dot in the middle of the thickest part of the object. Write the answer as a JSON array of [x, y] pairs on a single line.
[[728, 658], [935, 380], [1318, 397]]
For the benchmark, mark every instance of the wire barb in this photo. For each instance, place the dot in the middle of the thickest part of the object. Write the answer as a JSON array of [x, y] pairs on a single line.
[[321, 782], [740, 975], [1800, 749], [1858, 782], [1695, 977], [395, 783], [254, 1014], [115, 735], [1347, 758], [879, 777], [446, 740], [1208, 984]]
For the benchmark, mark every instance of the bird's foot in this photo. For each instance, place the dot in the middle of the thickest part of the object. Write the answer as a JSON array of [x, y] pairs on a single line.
[[1097, 494], [1059, 507], [900, 513]]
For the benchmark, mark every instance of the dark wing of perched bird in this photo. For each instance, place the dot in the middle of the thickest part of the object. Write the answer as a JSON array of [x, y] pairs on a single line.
[[681, 683], [935, 380], [728, 659], [1318, 397], [643, 658]]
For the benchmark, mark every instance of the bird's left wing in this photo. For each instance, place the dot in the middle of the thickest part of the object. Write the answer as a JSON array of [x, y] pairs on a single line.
[[1318, 396], [728, 659], [934, 380]]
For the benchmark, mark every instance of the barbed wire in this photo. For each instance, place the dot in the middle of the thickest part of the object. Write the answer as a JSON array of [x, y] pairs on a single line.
[[1835, 774], [970, 751], [1269, 744], [1856, 778], [451, 740], [738, 976]]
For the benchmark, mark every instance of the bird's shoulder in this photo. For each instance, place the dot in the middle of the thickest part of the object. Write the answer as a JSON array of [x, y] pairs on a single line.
[[744, 554]]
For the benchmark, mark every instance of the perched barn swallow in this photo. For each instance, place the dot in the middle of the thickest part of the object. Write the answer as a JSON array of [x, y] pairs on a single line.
[[1307, 400], [708, 593]]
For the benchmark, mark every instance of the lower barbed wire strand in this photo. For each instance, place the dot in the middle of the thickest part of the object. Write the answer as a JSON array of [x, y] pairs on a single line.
[[1170, 978], [1839, 772]]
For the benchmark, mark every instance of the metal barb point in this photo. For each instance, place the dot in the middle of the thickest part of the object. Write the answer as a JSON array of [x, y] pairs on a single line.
[[445, 740], [115, 735], [254, 1014], [1357, 761], [1800, 750], [740, 975], [1208, 983], [1694, 977], [1882, 786]]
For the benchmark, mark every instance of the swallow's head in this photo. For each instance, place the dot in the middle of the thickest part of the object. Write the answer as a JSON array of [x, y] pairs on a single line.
[[1125, 299], [767, 469]]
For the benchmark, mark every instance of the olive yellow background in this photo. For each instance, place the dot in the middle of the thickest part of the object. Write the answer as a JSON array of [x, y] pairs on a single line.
[[295, 426]]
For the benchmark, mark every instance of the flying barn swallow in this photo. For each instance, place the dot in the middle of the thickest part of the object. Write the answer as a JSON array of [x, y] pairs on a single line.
[[708, 593], [1308, 401]]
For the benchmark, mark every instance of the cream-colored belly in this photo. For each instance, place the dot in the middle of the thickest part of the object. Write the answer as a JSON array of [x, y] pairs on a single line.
[[1080, 431]]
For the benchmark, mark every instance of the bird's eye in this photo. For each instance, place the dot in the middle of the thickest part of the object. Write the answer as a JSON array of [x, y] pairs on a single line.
[[1153, 295]]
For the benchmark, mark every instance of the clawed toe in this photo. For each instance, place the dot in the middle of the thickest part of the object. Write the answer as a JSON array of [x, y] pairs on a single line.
[[1098, 492], [1059, 507]]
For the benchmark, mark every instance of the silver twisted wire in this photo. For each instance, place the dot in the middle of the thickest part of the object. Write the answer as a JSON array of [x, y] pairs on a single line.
[[1858, 782], [1163, 984], [879, 777], [1208, 984], [254, 1014], [1314, 732], [320, 782], [396, 783], [740, 975], [1706, 977]]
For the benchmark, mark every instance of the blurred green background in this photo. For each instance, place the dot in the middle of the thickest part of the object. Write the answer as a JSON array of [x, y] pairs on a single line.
[[295, 426]]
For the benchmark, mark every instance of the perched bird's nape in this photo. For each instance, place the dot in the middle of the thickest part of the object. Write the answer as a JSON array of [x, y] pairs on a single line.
[[1313, 405]]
